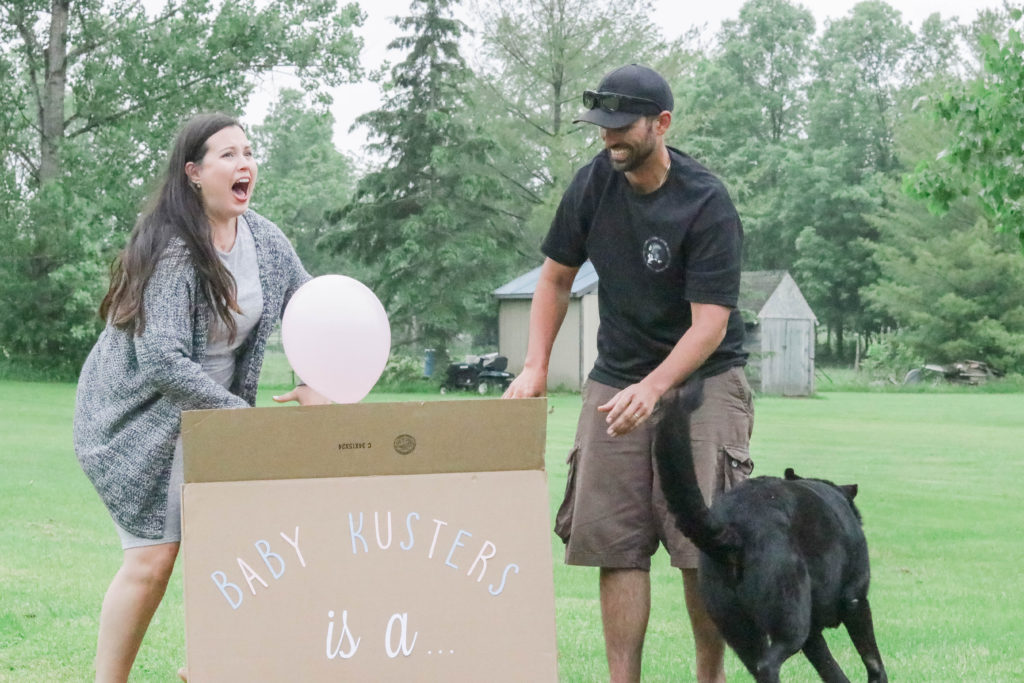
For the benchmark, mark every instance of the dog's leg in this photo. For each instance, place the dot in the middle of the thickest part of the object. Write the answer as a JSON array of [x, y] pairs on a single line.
[[817, 653], [857, 618], [748, 645], [770, 664]]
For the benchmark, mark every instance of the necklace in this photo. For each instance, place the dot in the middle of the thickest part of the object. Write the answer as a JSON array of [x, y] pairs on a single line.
[[664, 176], [641, 189]]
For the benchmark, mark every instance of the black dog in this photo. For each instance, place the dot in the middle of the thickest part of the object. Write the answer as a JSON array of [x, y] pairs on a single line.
[[781, 559]]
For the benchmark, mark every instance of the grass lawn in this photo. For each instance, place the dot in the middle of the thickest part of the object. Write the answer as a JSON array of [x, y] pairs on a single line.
[[939, 476]]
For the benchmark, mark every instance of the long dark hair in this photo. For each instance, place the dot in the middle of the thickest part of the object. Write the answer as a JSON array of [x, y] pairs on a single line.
[[176, 210]]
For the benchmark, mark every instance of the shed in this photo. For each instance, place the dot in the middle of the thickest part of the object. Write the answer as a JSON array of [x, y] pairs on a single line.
[[780, 333], [575, 348], [779, 325]]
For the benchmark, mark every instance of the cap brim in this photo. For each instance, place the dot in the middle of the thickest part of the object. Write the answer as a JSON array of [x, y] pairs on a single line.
[[608, 119]]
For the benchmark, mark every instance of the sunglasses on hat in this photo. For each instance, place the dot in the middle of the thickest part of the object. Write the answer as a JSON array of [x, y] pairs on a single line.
[[610, 101]]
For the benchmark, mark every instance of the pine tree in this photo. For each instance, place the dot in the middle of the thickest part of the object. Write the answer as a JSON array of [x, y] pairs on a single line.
[[431, 220]]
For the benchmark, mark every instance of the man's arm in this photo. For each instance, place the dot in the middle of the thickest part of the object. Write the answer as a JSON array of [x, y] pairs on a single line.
[[550, 302], [635, 403]]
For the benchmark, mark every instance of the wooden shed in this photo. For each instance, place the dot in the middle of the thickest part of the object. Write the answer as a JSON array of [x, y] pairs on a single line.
[[779, 324], [575, 348], [780, 329]]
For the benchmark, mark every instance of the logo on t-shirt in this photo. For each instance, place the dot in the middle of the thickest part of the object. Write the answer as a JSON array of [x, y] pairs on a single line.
[[656, 254]]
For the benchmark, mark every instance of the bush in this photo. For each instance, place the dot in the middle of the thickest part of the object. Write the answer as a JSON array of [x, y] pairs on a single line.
[[405, 373], [890, 357]]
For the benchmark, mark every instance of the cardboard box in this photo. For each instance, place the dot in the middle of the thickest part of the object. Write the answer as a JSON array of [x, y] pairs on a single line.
[[368, 542]]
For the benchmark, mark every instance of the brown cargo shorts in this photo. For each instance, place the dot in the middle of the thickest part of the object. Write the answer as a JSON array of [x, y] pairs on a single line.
[[614, 514]]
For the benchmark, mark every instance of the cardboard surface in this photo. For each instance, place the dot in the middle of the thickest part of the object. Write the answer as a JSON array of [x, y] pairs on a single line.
[[384, 576], [364, 439]]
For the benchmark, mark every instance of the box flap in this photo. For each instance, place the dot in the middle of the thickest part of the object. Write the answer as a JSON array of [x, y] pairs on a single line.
[[485, 435]]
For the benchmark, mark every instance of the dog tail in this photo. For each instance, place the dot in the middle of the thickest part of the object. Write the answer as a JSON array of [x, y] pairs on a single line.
[[673, 452]]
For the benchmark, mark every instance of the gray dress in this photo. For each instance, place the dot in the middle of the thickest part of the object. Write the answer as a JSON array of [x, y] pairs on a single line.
[[219, 364], [133, 388]]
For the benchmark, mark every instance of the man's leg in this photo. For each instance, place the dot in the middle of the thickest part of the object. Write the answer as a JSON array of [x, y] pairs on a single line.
[[706, 638], [625, 608], [606, 521]]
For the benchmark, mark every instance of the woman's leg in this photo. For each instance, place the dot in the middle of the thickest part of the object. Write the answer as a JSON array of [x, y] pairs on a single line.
[[133, 596]]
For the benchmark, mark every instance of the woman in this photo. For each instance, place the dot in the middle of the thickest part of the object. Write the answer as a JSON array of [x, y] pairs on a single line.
[[192, 300]]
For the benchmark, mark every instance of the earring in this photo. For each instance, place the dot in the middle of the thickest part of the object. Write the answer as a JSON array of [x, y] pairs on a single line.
[[198, 186]]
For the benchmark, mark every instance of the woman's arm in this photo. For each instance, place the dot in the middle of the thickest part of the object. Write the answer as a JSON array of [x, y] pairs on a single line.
[[164, 348]]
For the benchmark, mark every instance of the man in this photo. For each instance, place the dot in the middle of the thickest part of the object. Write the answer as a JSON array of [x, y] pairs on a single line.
[[665, 241]]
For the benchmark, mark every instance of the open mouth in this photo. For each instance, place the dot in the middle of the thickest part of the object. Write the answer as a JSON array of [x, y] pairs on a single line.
[[619, 153], [241, 189]]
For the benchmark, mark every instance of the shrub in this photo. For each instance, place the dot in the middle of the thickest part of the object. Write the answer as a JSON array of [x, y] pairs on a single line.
[[891, 356], [405, 373]]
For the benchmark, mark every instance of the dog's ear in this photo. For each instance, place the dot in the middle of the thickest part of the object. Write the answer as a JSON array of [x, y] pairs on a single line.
[[790, 475], [850, 490]]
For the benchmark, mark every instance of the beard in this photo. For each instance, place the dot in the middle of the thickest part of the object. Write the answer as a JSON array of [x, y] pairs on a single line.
[[636, 154]]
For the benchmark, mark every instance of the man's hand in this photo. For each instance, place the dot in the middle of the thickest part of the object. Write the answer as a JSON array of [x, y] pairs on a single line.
[[634, 404], [305, 395], [529, 384], [630, 407]]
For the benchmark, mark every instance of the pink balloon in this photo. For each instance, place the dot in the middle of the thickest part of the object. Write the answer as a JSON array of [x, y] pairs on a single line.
[[337, 337]]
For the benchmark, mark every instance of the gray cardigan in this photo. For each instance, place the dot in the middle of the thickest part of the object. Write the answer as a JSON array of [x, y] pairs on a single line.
[[133, 387]]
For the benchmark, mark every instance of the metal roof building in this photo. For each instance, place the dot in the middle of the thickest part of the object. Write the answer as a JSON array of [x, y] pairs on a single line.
[[575, 348]]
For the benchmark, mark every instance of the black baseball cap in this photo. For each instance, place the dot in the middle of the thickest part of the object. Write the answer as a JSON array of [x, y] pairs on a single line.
[[624, 95]]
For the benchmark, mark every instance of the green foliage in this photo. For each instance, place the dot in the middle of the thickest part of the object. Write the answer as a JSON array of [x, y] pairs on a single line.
[[430, 224], [743, 112], [802, 132], [538, 58], [53, 275], [304, 181], [852, 109], [859, 68], [890, 357], [946, 284], [81, 144], [985, 157], [938, 51], [955, 296], [810, 132], [402, 372]]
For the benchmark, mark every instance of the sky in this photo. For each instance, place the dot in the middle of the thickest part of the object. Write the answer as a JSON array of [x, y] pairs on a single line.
[[674, 16]]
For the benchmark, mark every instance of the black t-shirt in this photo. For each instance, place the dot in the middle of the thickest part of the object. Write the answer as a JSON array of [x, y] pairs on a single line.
[[654, 254]]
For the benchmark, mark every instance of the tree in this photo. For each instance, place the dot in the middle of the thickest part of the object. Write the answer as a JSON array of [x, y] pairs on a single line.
[[94, 90], [304, 181], [768, 50], [538, 57], [859, 69], [98, 63], [938, 52], [946, 286], [850, 159], [430, 223], [950, 287], [742, 111], [985, 157]]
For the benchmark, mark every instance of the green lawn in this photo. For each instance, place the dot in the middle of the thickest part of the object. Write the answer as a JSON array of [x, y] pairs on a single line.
[[939, 476]]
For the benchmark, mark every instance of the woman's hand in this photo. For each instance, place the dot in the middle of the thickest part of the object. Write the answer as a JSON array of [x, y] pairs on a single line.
[[305, 395]]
